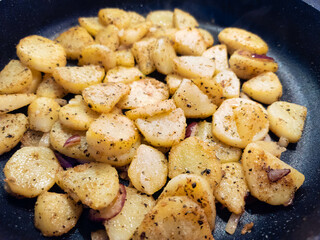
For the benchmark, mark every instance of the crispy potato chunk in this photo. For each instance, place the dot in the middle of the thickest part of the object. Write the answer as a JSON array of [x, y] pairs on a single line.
[[31, 171], [94, 184], [247, 65], [14, 78], [163, 130], [182, 19], [161, 18], [270, 179], [197, 189], [123, 75], [271, 147], [189, 41], [207, 37], [287, 120], [74, 40], [220, 55], [233, 188], [10, 102], [55, 214], [136, 206], [174, 218], [194, 156], [193, 101], [75, 79], [265, 88], [41, 53], [124, 58], [173, 82], [135, 18], [31, 138], [91, 24], [134, 33], [143, 92], [111, 134], [115, 16], [236, 38], [60, 134], [229, 82], [50, 88], [239, 121], [104, 96], [108, 36], [36, 80], [13, 126], [148, 170]]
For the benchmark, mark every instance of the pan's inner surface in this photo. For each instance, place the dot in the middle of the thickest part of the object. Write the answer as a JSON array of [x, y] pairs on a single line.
[[287, 30]]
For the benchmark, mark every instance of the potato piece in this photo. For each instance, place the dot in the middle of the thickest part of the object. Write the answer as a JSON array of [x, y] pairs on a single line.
[[224, 152], [173, 82], [161, 18], [55, 214], [194, 156], [142, 53], [270, 179], [75, 79], [230, 83], [134, 33], [220, 55], [247, 65], [124, 58], [151, 110], [42, 113], [163, 130], [14, 78], [265, 88], [36, 80], [236, 38], [135, 18], [161, 32], [197, 189], [148, 170], [189, 41], [287, 120], [136, 206], [174, 218], [77, 116], [162, 56], [94, 184], [11, 102], [104, 96], [239, 121], [13, 126], [31, 171], [194, 67], [144, 92], [108, 37], [74, 40], [50, 88], [123, 75], [41, 53], [111, 134], [97, 54], [31, 138], [60, 134], [233, 188], [182, 19], [207, 37], [271, 147], [91, 24], [193, 101], [115, 16]]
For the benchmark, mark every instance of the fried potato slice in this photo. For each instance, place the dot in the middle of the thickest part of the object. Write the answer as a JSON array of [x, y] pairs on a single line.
[[135, 18], [148, 170], [124, 58], [207, 37], [232, 189], [136, 206], [175, 218], [50, 88], [134, 33], [189, 41], [94, 184], [272, 147], [75, 79], [31, 138], [115, 16], [229, 82], [163, 130], [11, 102], [13, 126], [123, 74], [182, 19], [197, 189], [91, 24], [36, 80], [55, 213], [270, 179], [162, 18], [220, 55], [144, 92], [14, 77], [31, 171], [173, 82], [108, 37], [41, 53], [194, 156], [74, 40]]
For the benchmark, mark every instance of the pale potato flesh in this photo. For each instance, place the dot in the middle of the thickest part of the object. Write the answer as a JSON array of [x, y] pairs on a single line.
[[229, 82], [11, 102], [220, 55]]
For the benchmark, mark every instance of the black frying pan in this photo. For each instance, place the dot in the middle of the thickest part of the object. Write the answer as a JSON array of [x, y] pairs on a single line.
[[292, 30]]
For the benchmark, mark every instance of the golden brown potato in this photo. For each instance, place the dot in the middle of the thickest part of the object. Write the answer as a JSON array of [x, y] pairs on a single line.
[[182, 19], [108, 37], [207, 37], [11, 102], [91, 24], [271, 147], [220, 55], [115, 16], [135, 18], [124, 58], [134, 33], [123, 75], [50, 88], [189, 41], [36, 80], [229, 82]]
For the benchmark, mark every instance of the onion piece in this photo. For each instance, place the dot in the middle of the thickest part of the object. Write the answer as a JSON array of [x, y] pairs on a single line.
[[73, 140], [232, 223], [112, 210], [276, 174], [263, 57], [191, 130], [65, 162]]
